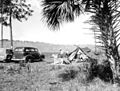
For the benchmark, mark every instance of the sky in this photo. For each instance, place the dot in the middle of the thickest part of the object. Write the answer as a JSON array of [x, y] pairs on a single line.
[[35, 29]]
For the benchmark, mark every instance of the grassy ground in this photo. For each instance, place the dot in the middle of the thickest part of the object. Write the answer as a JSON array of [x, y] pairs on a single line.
[[41, 76]]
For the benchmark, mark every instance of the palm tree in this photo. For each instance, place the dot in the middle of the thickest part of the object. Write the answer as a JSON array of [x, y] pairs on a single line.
[[107, 20]]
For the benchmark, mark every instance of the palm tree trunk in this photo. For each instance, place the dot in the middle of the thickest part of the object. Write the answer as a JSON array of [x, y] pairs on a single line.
[[114, 54]]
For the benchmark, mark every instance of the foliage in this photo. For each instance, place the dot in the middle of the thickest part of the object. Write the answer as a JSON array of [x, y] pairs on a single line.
[[106, 19], [56, 12], [18, 9], [68, 74], [102, 71]]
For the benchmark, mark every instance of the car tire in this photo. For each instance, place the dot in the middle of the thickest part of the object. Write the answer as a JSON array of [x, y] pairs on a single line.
[[8, 58], [42, 56], [28, 59]]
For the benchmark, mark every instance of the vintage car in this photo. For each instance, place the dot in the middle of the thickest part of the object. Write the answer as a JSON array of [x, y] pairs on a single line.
[[27, 54], [6, 54]]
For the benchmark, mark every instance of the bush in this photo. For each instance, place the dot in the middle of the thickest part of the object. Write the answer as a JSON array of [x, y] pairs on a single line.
[[86, 72], [71, 72], [103, 71], [68, 74]]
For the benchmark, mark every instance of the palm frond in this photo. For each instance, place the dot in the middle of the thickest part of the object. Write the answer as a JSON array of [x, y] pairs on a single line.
[[56, 12]]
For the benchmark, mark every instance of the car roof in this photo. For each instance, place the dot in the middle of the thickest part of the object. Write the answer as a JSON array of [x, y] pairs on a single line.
[[25, 47]]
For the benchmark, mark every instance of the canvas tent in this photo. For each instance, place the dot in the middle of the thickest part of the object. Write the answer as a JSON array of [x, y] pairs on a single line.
[[78, 55]]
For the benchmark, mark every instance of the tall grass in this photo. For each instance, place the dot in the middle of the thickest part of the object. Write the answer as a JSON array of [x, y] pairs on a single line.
[[45, 77]]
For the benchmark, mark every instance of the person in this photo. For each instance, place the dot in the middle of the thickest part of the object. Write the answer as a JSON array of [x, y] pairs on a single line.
[[61, 53]]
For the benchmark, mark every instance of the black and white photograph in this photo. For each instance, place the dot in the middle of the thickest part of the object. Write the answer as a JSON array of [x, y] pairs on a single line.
[[59, 45]]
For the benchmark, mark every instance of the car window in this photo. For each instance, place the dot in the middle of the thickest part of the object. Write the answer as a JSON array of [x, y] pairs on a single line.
[[27, 50], [32, 50], [36, 50], [19, 49]]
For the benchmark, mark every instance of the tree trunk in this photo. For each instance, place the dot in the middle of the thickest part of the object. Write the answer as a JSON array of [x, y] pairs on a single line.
[[113, 65], [1, 35], [11, 33], [2, 26], [114, 56]]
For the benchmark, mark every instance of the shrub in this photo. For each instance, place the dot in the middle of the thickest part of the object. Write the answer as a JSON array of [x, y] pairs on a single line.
[[86, 72], [68, 73], [80, 71], [103, 71]]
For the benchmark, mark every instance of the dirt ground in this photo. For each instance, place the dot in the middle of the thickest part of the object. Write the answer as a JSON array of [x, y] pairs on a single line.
[[41, 76]]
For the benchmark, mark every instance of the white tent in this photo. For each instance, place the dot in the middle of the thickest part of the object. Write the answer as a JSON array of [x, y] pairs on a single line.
[[78, 54]]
